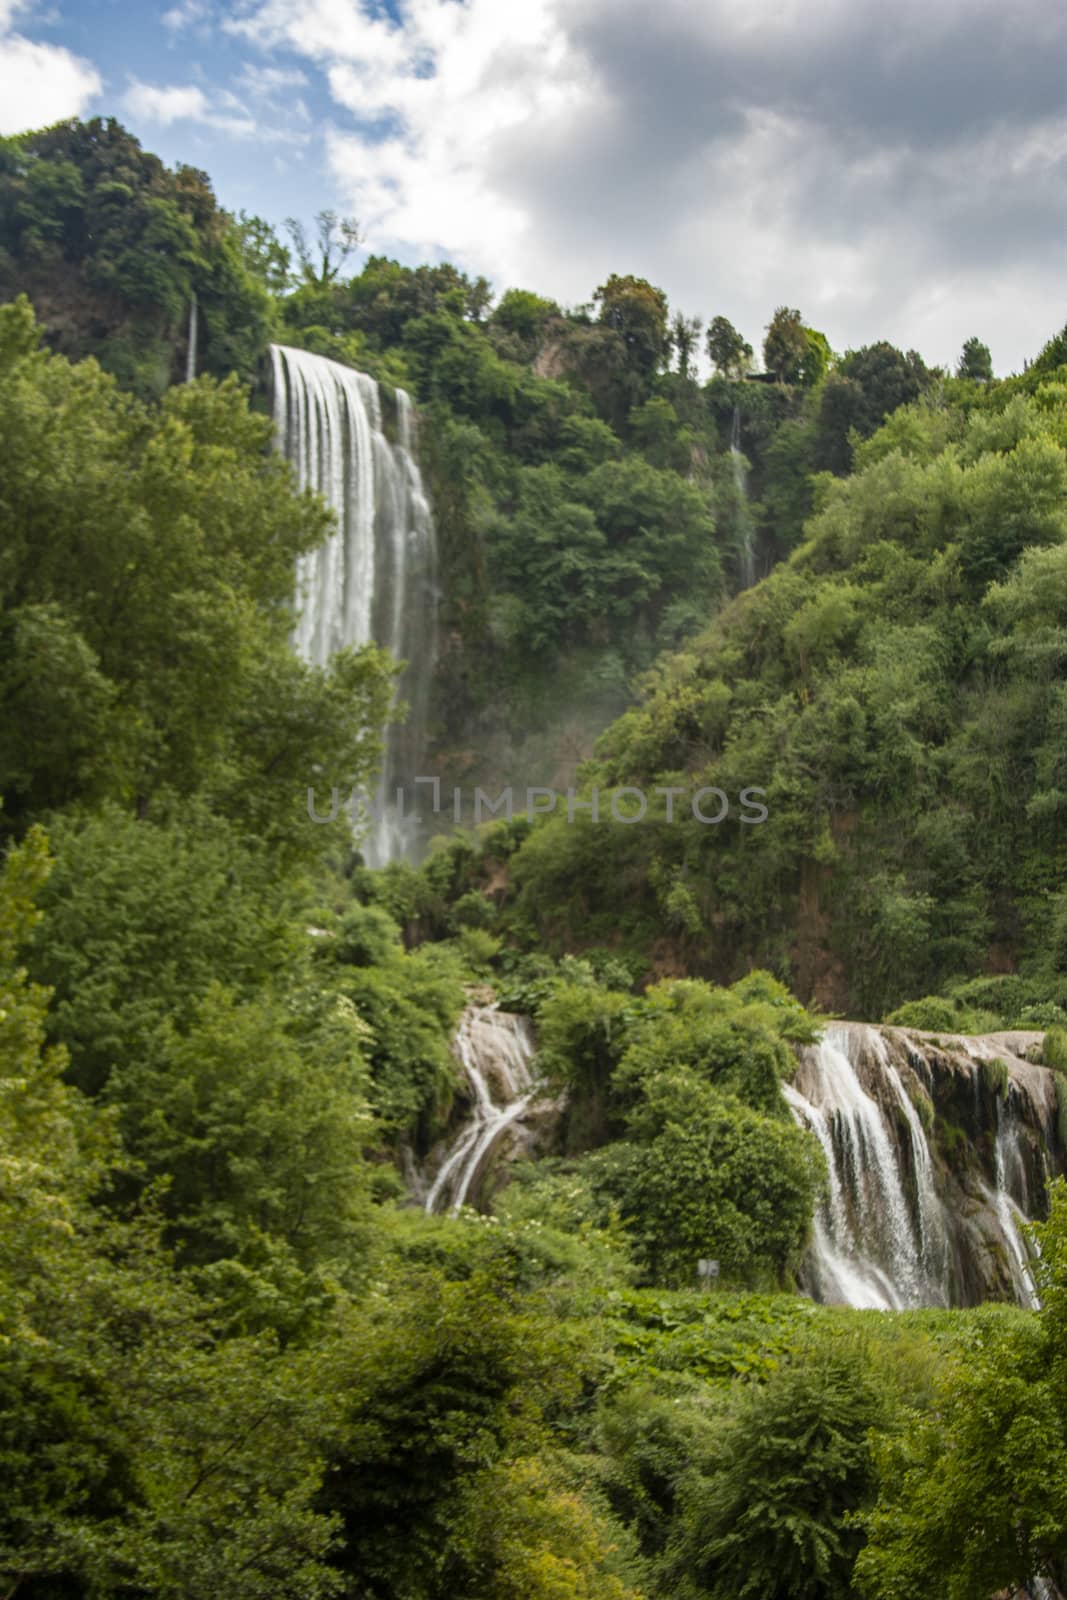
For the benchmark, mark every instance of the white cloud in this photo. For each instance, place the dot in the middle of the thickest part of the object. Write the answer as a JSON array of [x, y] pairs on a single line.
[[895, 171], [163, 105], [40, 83], [265, 82], [187, 14], [281, 112]]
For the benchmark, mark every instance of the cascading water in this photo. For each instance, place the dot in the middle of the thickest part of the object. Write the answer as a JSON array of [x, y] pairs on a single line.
[[936, 1151], [747, 564], [495, 1049], [868, 1224], [1010, 1176], [900, 1225], [374, 578], [190, 351]]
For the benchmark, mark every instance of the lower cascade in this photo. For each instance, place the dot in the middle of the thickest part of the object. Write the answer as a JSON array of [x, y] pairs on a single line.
[[495, 1049], [373, 581], [937, 1150]]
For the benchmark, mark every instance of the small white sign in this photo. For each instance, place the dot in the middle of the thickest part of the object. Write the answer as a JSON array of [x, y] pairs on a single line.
[[708, 1269]]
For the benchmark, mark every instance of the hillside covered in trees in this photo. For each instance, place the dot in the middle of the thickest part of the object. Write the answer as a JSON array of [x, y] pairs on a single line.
[[235, 1358]]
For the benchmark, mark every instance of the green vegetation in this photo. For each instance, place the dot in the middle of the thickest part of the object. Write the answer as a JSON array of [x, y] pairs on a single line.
[[896, 689], [114, 248], [234, 1358]]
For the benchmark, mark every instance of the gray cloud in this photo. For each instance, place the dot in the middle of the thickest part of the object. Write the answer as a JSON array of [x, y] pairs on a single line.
[[895, 169], [932, 152]]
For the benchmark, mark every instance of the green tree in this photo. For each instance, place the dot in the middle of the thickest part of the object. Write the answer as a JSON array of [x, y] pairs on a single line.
[[321, 262], [973, 1495], [710, 1177], [636, 311], [446, 1392], [685, 336], [263, 253], [259, 1121], [785, 347], [728, 352], [112, 246], [867, 386], [770, 1512], [975, 361], [138, 1452]]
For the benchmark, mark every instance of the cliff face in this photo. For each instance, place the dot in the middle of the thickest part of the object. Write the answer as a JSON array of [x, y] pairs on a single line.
[[937, 1147]]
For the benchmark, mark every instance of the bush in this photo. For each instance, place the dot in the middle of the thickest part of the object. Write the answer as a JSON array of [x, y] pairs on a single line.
[[769, 1512], [712, 1177], [1054, 1050]]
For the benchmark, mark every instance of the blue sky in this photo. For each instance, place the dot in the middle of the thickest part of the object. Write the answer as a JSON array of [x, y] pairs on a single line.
[[895, 169]]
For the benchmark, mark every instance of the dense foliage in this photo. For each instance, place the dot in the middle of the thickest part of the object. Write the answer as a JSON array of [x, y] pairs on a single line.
[[234, 1358], [897, 688], [115, 247]]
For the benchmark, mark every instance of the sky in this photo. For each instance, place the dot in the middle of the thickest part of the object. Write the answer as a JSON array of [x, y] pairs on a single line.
[[896, 169]]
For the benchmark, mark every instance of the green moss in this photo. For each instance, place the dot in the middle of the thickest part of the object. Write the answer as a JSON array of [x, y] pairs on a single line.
[[995, 1077], [1054, 1050], [924, 1106], [951, 1140]]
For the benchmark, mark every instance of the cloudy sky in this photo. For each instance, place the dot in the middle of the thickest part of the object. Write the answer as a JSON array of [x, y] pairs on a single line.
[[895, 168]]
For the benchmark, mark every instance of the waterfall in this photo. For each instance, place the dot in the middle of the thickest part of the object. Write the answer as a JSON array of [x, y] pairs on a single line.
[[373, 580], [1009, 1174], [867, 1223], [495, 1049], [933, 1161], [747, 564], [903, 1223], [840, 1270], [190, 353]]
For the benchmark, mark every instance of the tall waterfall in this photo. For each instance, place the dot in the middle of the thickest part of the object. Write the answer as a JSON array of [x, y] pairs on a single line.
[[190, 350], [924, 1208], [374, 578], [747, 564]]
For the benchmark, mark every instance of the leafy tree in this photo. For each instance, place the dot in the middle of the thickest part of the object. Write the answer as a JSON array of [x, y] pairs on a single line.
[[410, 1005], [738, 1044], [975, 361], [785, 347], [137, 1452], [259, 1121], [867, 386], [112, 246], [818, 359], [663, 439], [788, 492], [322, 262], [770, 1511], [636, 311], [685, 336], [445, 1397], [263, 253], [727, 351], [793, 353], [943, 1517], [707, 1176], [143, 917], [1053, 355]]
